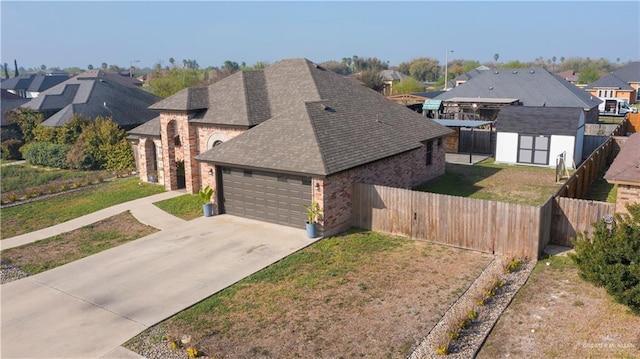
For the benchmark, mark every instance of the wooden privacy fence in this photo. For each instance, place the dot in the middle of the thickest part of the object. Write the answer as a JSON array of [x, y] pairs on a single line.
[[482, 225], [483, 141], [578, 184], [572, 216]]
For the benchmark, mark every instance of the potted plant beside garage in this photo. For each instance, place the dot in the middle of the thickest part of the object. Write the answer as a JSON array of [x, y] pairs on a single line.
[[205, 195], [313, 212]]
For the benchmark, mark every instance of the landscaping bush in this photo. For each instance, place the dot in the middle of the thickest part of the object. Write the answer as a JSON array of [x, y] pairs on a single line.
[[45, 154], [610, 258], [11, 149], [102, 144]]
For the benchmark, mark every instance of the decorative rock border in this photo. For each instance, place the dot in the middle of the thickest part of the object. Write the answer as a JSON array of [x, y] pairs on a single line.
[[472, 338]]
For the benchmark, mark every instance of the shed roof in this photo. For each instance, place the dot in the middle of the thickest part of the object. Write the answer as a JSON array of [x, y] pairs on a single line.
[[540, 120]]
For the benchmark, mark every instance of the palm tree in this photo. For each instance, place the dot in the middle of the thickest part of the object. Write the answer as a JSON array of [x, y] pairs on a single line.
[[496, 56]]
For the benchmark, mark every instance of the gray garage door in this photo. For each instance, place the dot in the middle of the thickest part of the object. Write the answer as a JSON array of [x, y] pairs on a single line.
[[266, 196]]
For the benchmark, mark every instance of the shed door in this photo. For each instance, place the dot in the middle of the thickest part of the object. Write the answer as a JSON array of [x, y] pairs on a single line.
[[534, 149], [267, 196]]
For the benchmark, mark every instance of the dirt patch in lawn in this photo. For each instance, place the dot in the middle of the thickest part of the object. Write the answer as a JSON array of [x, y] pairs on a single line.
[[67, 247], [358, 295], [558, 315]]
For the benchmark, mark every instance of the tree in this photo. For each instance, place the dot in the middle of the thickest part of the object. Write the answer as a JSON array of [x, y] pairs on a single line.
[[90, 67], [27, 120], [15, 64], [337, 67], [230, 66], [513, 65], [407, 85], [6, 70], [104, 66], [424, 69], [588, 76], [561, 58], [43, 67], [496, 56], [372, 80], [610, 257], [172, 61], [101, 145], [167, 83]]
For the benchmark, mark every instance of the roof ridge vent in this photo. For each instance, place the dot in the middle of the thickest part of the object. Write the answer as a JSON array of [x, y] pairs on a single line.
[[495, 72], [515, 72], [531, 71]]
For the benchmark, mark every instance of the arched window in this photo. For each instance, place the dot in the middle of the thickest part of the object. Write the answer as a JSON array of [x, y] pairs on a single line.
[[217, 138]]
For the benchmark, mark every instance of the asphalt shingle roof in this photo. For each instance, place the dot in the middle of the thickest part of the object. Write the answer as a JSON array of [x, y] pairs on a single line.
[[539, 120], [320, 123], [149, 128], [533, 87], [95, 94], [626, 166], [9, 101], [619, 79], [33, 82]]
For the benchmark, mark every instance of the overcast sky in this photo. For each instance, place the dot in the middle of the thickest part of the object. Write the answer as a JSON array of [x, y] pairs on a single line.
[[66, 34]]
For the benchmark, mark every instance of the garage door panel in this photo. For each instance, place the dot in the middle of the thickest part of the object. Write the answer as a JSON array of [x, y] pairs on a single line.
[[266, 196]]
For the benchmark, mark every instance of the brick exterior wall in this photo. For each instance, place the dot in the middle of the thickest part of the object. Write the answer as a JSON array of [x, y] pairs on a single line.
[[145, 157], [207, 170], [627, 194], [405, 170]]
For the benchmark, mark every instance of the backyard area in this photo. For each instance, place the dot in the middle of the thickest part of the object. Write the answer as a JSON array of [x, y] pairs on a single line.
[[498, 182], [559, 315], [360, 294]]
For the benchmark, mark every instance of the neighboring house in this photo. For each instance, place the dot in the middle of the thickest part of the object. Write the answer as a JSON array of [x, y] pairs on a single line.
[[9, 101], [391, 77], [272, 140], [492, 90], [460, 79], [538, 135], [30, 86], [622, 83], [625, 172], [569, 75], [92, 94]]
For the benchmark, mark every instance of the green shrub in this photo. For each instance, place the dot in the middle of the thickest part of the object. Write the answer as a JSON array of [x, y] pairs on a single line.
[[45, 154], [611, 258], [11, 149]]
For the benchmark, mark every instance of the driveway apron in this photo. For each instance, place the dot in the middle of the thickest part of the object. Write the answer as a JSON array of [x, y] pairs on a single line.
[[89, 307]]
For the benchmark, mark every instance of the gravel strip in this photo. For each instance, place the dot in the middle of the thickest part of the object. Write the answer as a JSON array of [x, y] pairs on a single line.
[[472, 338], [9, 273]]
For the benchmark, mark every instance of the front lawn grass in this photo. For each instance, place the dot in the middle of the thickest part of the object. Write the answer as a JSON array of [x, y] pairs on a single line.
[[498, 182], [40, 214], [58, 250], [187, 206], [23, 177], [361, 294]]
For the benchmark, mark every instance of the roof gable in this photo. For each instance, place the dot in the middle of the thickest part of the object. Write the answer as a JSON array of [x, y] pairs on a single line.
[[533, 87], [610, 81]]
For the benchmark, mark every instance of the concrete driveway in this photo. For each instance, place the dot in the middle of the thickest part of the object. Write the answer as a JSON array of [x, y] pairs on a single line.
[[88, 308]]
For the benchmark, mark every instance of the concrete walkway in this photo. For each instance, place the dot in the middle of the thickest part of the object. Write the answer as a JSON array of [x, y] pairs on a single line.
[[142, 208], [88, 308]]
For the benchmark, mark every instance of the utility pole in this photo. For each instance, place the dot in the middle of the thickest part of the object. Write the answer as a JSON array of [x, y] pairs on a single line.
[[446, 68]]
